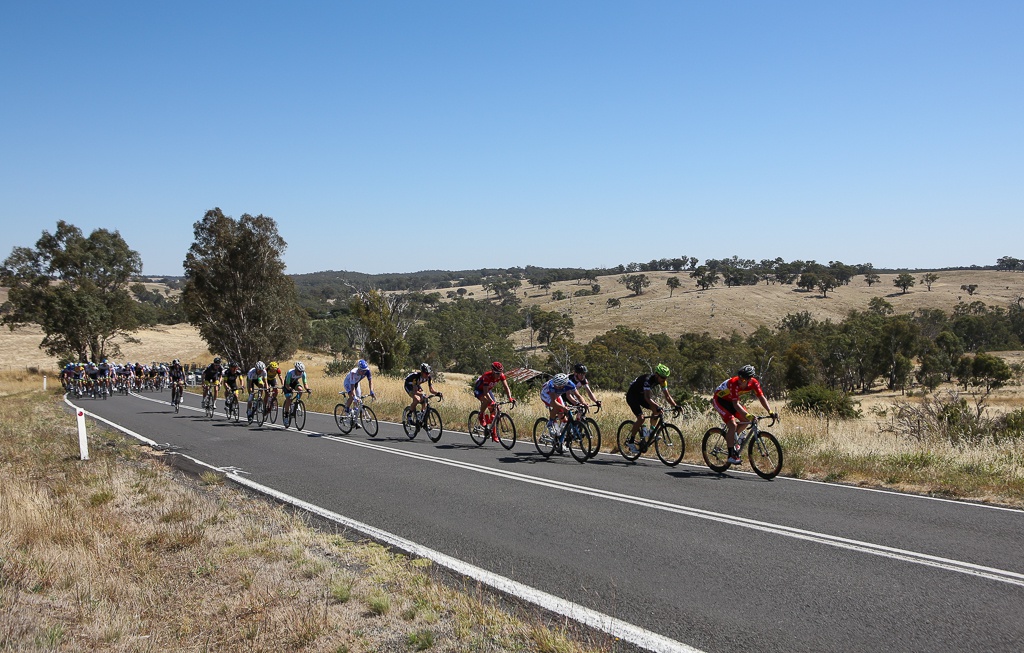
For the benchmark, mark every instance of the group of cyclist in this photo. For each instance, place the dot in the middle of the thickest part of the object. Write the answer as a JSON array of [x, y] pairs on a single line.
[[262, 377], [97, 378], [563, 390], [559, 393]]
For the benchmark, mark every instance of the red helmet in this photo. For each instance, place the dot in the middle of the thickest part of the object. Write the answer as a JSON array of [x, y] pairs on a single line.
[[497, 367]]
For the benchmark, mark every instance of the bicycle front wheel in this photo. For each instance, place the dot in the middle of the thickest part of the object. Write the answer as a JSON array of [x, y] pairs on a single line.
[[765, 454], [542, 438], [624, 438], [257, 412], [367, 420], [595, 437], [298, 414], [670, 444], [715, 450], [234, 411], [272, 408], [505, 428], [433, 425], [342, 419], [476, 432], [578, 441], [410, 429]]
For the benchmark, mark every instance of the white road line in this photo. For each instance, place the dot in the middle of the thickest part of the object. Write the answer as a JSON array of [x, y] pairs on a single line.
[[623, 630], [990, 573]]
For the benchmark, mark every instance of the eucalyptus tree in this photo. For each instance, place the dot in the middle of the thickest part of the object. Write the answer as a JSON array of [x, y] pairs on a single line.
[[75, 288], [236, 292]]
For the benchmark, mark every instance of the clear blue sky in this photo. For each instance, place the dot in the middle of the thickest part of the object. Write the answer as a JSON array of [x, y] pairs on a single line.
[[400, 136]]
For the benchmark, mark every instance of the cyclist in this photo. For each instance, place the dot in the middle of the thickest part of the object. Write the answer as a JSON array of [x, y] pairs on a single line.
[[726, 400], [92, 373], [274, 378], [230, 379], [552, 394], [294, 380], [413, 388], [483, 389], [254, 380], [176, 375], [352, 379], [579, 379], [211, 379], [640, 395], [103, 374]]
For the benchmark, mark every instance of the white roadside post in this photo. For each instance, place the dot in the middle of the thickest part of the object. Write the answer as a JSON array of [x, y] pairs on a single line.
[[44, 383], [83, 441]]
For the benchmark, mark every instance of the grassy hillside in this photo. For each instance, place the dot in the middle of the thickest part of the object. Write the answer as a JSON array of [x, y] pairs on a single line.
[[745, 308]]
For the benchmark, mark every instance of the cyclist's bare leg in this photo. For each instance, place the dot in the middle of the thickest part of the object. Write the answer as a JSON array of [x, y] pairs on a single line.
[[486, 410]]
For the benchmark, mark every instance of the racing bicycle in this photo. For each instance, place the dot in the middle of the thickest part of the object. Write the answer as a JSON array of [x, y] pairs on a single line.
[[763, 449], [501, 426], [358, 415], [296, 413], [573, 435], [666, 438], [427, 420]]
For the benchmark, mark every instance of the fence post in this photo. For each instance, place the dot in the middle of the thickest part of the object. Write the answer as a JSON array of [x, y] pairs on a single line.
[[44, 383], [83, 441]]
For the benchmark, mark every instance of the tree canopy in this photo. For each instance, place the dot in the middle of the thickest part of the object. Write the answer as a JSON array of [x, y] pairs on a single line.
[[236, 292], [75, 288]]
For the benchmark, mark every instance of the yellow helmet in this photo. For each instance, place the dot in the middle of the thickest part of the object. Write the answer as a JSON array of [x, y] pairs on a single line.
[[273, 365]]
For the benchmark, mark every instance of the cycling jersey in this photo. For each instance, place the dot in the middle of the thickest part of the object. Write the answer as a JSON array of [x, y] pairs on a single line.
[[177, 373], [353, 378], [732, 390], [293, 379], [231, 379], [645, 382], [550, 394], [486, 382], [414, 381], [213, 372], [256, 377]]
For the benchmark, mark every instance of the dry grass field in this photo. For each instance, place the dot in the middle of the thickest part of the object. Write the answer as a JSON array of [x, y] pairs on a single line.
[[122, 553]]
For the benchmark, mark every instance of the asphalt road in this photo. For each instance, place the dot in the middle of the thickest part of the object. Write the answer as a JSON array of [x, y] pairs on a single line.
[[719, 563]]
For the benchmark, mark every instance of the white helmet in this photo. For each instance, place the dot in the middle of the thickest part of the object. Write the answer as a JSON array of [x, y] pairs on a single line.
[[559, 380], [300, 367], [260, 365]]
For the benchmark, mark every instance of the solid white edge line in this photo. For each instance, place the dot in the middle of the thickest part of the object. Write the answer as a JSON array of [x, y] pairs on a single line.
[[606, 623]]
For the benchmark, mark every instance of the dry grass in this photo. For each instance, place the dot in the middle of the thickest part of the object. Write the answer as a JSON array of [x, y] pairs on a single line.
[[122, 553]]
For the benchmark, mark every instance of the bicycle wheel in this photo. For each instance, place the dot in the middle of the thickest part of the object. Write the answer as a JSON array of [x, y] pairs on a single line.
[[765, 454], [623, 438], [476, 432], [506, 430], [367, 420], [578, 441], [208, 406], [258, 413], [342, 419], [298, 415], [542, 438], [272, 409], [433, 425], [669, 444], [410, 429], [595, 437], [715, 450], [233, 413]]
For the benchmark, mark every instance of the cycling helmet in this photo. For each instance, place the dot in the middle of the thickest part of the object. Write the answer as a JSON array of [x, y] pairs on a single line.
[[260, 365], [497, 367], [176, 362], [747, 371], [579, 368], [363, 365], [300, 367], [232, 364], [662, 370], [216, 361], [272, 365], [425, 368], [559, 380]]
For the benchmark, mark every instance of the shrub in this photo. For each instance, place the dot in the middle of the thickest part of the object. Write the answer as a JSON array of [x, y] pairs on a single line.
[[1010, 426], [823, 401], [337, 368]]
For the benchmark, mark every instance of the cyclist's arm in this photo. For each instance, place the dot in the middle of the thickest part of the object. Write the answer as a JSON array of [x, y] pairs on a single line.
[[672, 401], [508, 393]]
